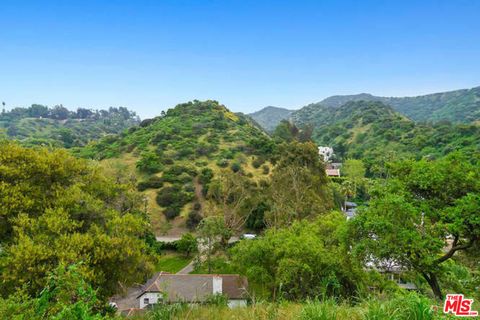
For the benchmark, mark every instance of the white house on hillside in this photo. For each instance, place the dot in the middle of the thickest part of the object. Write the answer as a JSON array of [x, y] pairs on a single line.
[[326, 153]]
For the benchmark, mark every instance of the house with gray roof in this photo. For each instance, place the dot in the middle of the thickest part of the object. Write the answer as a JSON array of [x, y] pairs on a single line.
[[187, 288]]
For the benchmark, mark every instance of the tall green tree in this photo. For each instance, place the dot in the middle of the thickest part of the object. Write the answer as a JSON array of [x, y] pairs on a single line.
[[299, 187], [234, 198], [211, 231], [304, 260], [422, 216], [55, 209]]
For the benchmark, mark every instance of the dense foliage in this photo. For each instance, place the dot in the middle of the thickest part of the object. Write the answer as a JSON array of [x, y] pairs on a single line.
[[456, 106], [373, 132], [73, 232], [60, 127], [179, 152], [423, 215], [55, 209], [304, 260]]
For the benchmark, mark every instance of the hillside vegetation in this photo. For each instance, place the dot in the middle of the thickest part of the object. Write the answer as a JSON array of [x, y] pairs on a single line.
[[375, 133], [59, 127], [269, 117], [456, 106], [75, 232], [177, 154]]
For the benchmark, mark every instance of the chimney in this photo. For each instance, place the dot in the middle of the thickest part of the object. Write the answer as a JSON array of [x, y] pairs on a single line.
[[217, 285]]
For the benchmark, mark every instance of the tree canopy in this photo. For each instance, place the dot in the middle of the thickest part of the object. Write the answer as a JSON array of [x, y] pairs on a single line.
[[55, 209], [420, 217]]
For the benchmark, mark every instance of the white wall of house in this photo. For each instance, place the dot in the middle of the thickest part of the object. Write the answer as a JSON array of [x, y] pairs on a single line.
[[153, 298], [217, 285], [325, 152], [237, 303]]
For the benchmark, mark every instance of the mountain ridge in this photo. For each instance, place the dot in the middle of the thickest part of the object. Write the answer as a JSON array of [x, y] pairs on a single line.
[[269, 117], [459, 106]]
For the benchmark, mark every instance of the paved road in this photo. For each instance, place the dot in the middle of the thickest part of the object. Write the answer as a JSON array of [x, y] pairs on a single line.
[[188, 268], [167, 239], [173, 239]]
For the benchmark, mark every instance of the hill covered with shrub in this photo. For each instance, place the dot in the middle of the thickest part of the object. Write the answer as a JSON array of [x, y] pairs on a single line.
[[459, 106], [176, 155], [270, 117], [60, 127], [376, 133]]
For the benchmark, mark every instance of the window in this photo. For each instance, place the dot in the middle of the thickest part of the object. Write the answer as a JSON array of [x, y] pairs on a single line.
[[146, 301]]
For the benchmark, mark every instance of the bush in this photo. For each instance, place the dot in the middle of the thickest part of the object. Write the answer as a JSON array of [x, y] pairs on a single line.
[[206, 176], [152, 183], [178, 173], [222, 163], [235, 167], [187, 244], [149, 163], [171, 212], [265, 169], [257, 162], [189, 187], [217, 300], [167, 161], [169, 196], [193, 219], [197, 206], [204, 149]]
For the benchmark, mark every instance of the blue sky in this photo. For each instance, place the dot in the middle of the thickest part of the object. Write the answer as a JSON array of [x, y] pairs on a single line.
[[151, 55]]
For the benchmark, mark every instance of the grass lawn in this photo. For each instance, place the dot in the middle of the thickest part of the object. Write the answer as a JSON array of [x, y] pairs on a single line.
[[172, 262]]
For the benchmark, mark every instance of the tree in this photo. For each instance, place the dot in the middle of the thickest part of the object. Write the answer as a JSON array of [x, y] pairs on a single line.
[[424, 214], [55, 209], [211, 231], [298, 188], [187, 244], [304, 260], [59, 112], [234, 199], [37, 111], [149, 163], [354, 170]]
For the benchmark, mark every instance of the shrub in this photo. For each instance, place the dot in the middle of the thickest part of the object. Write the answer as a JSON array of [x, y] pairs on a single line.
[[197, 206], [257, 162], [171, 212], [152, 183], [187, 244], [149, 163], [169, 196], [222, 163], [235, 167], [193, 219], [265, 169], [217, 300], [204, 149], [205, 176], [189, 188], [167, 161]]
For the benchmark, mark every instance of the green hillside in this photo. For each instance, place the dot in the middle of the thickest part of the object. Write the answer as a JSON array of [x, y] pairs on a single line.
[[178, 153], [457, 106], [375, 133], [269, 117], [59, 127]]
